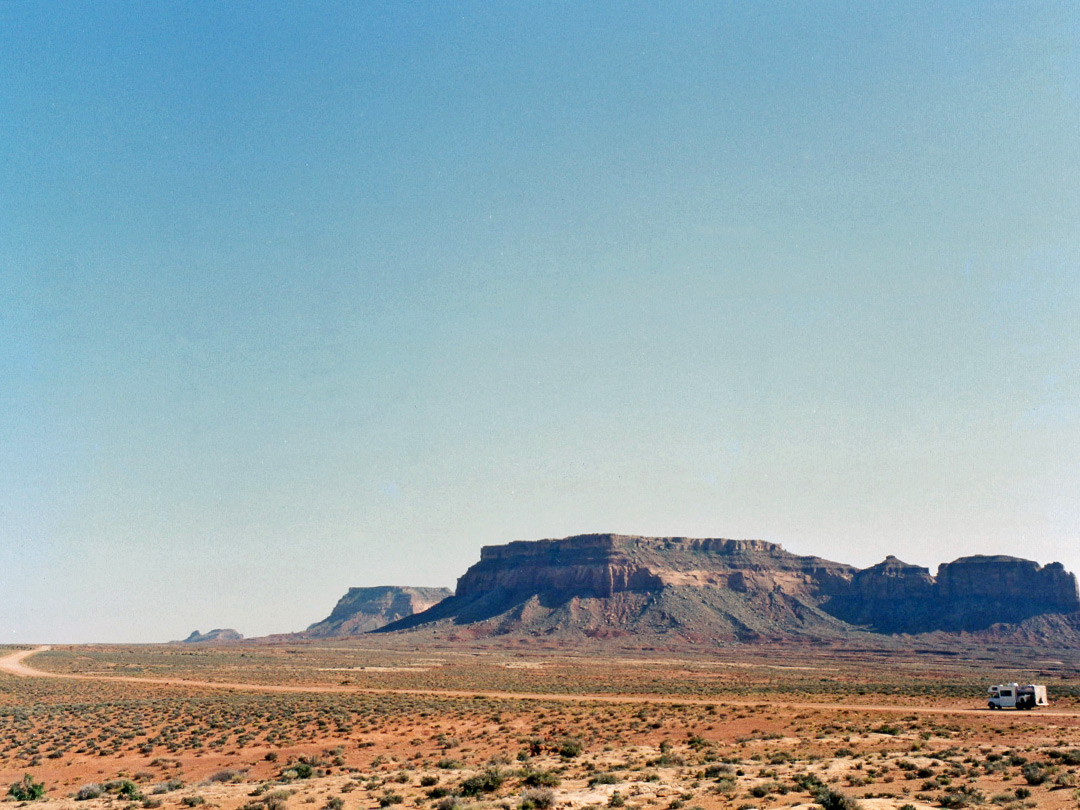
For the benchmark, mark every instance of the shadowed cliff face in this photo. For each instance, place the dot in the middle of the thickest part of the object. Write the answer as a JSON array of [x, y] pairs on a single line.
[[971, 593], [362, 610], [607, 585]]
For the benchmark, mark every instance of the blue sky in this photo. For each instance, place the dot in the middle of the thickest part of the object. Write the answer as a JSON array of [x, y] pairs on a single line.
[[296, 297]]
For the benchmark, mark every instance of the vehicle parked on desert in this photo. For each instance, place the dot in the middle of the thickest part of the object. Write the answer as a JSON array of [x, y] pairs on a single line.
[[1017, 696]]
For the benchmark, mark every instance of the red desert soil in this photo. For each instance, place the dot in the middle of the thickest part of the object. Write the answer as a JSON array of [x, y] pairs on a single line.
[[174, 741], [14, 665]]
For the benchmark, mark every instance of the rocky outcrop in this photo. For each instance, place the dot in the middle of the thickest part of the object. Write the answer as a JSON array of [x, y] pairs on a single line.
[[892, 580], [971, 593], [362, 610], [219, 634], [890, 597], [605, 585], [976, 592], [1008, 578]]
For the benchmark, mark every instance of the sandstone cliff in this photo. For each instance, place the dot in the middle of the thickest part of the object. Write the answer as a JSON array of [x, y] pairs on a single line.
[[971, 593], [605, 564], [605, 585], [362, 610]]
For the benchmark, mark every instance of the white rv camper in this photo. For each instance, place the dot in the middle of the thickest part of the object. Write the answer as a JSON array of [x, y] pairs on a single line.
[[1017, 696]]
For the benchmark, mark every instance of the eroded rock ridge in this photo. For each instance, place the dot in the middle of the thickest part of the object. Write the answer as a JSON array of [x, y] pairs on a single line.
[[362, 610], [970, 593]]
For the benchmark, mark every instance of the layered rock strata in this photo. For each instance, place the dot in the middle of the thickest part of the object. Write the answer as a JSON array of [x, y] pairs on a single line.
[[605, 564], [721, 589]]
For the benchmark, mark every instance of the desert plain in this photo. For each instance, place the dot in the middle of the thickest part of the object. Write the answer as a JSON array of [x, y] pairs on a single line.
[[377, 722]]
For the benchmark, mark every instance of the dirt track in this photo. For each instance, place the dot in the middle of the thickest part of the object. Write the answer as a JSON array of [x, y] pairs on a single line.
[[13, 665]]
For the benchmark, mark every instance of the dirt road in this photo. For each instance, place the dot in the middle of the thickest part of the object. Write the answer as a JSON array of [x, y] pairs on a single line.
[[13, 665]]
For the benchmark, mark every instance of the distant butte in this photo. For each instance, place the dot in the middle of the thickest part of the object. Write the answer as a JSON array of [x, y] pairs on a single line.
[[227, 634]]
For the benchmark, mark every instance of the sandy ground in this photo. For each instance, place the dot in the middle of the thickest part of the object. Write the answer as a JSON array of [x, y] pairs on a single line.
[[13, 664], [379, 748]]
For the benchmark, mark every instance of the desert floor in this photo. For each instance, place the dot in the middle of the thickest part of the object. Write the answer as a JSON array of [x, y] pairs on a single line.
[[379, 722]]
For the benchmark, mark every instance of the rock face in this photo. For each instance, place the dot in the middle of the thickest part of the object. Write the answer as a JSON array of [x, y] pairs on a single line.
[[604, 585], [227, 634], [1008, 578], [601, 565], [362, 610], [971, 593]]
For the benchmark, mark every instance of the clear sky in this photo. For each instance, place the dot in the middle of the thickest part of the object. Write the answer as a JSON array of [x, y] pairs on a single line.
[[302, 296]]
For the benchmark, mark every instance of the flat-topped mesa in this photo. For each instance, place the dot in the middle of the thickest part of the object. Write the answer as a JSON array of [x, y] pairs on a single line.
[[1005, 578], [604, 564]]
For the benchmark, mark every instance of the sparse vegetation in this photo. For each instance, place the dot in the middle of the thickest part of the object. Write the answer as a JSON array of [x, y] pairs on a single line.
[[712, 741], [90, 791]]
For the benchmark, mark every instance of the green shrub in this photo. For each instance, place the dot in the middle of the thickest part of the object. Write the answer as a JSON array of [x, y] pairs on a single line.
[[1033, 774], [389, 797], [765, 789], [727, 785], [534, 799], [570, 747], [808, 782], [124, 788], [91, 791], [27, 790], [1069, 757], [487, 782], [830, 799], [539, 779], [166, 787]]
